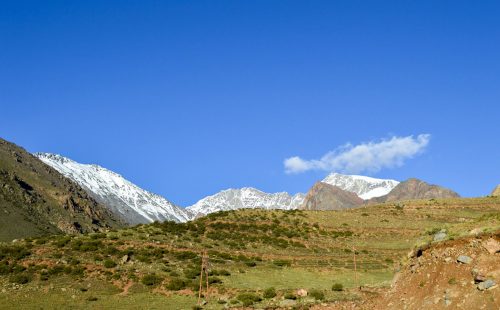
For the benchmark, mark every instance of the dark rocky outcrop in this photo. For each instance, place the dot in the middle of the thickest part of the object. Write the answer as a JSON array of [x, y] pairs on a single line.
[[36, 200]]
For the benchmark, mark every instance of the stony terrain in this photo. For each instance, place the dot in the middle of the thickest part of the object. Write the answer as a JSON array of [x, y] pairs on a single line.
[[36, 199], [459, 274]]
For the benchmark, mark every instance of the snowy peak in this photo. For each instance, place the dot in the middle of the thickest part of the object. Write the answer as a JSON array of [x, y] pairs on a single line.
[[245, 198], [125, 199], [364, 187]]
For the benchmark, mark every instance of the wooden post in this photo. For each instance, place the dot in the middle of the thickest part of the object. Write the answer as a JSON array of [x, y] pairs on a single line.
[[355, 268], [203, 271]]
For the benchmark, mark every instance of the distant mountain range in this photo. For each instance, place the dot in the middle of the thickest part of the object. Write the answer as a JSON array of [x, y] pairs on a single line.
[[135, 205], [244, 198]]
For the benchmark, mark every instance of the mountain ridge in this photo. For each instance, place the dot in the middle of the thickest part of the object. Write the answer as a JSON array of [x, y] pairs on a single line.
[[36, 199], [324, 196], [363, 186], [245, 198], [125, 199]]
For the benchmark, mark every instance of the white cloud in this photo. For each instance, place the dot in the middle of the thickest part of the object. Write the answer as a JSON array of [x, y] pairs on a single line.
[[367, 157]]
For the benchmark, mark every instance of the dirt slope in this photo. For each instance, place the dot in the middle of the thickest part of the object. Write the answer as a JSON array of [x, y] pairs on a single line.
[[435, 279]]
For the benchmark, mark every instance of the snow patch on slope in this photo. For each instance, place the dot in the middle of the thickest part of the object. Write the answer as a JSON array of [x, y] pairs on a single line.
[[125, 199], [245, 198], [364, 187]]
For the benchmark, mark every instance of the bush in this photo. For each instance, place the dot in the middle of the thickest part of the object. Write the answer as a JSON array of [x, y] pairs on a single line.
[[108, 263], [269, 293], [317, 294], [290, 296], [13, 251], [337, 287], [248, 299], [214, 280], [151, 279], [20, 279], [192, 272], [250, 263], [221, 272], [61, 242], [282, 263], [176, 284]]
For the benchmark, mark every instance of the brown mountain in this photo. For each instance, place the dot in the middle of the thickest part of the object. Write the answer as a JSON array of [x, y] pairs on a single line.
[[323, 196], [37, 200], [496, 191], [415, 189]]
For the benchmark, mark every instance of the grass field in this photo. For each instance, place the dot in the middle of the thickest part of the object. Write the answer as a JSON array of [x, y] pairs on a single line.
[[250, 251]]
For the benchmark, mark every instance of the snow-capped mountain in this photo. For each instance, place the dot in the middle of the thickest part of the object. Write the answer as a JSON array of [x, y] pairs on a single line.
[[244, 198], [125, 199], [364, 187]]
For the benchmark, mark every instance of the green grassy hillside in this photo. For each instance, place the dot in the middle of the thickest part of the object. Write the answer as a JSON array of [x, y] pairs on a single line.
[[257, 257]]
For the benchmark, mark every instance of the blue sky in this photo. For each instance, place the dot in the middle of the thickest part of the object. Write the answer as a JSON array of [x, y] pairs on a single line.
[[186, 98]]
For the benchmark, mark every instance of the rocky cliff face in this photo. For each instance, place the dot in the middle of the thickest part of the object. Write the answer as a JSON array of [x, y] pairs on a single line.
[[415, 189], [323, 196], [36, 199]]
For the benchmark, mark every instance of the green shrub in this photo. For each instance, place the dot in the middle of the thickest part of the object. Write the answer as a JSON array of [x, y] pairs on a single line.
[[13, 251], [269, 293], [248, 299], [192, 273], [317, 294], [174, 274], [250, 263], [57, 269], [176, 284], [20, 278], [108, 263], [290, 295], [61, 242], [221, 272], [282, 263], [337, 287], [151, 279], [5, 268], [214, 280]]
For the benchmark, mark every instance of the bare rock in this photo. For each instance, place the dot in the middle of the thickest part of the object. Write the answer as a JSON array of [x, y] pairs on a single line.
[[124, 259], [486, 285], [492, 246], [464, 259], [440, 236], [301, 292]]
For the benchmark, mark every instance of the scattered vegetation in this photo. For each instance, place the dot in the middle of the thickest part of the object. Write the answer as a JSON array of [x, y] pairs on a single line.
[[248, 250]]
